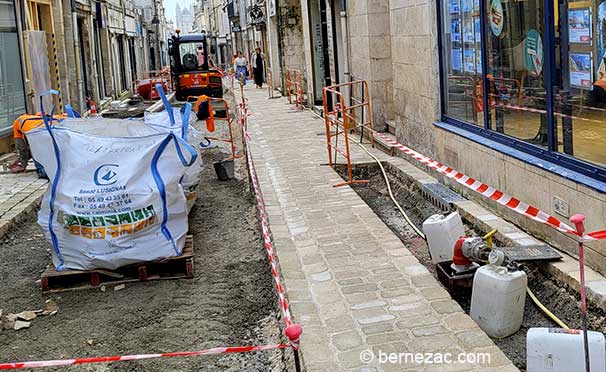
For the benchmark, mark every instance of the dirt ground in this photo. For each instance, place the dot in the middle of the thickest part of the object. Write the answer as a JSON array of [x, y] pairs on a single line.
[[230, 301], [559, 298]]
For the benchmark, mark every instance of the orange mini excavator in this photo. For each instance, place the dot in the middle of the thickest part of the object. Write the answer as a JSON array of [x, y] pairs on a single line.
[[192, 71]]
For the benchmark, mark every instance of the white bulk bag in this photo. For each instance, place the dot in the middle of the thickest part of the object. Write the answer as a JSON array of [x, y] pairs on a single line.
[[112, 201]]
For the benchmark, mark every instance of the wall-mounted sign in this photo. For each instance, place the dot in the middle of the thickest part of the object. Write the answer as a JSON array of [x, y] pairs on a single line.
[[581, 65], [579, 26], [496, 17], [533, 52]]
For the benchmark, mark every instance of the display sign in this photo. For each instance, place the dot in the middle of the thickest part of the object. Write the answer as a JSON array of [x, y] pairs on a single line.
[[454, 7], [533, 52], [468, 35], [478, 30], [467, 5], [496, 17], [469, 60], [581, 65], [457, 60], [579, 26], [478, 62], [455, 30]]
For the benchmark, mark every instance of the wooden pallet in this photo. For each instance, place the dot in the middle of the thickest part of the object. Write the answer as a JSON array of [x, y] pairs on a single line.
[[53, 281]]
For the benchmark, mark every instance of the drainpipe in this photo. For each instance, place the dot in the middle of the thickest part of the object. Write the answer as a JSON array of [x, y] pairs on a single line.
[[280, 60], [345, 37], [78, 58]]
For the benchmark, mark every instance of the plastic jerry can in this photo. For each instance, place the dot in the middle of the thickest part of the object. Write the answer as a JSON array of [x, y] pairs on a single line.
[[442, 233], [561, 350], [497, 300]]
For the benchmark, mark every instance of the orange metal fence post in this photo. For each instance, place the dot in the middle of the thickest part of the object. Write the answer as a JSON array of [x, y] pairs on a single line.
[[343, 118], [287, 82], [227, 119]]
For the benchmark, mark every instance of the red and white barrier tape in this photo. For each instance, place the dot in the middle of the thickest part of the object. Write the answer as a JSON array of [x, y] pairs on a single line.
[[269, 247], [492, 193], [108, 359]]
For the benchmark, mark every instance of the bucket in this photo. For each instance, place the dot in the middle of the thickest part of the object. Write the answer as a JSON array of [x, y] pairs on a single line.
[[224, 170]]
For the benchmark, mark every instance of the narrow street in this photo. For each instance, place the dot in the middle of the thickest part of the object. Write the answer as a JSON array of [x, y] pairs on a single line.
[[404, 186]]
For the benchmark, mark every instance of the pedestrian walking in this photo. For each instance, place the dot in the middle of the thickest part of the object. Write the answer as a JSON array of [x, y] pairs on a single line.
[[241, 68], [258, 61]]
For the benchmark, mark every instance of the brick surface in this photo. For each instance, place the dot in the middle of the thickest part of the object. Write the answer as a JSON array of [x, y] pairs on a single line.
[[349, 279], [20, 194]]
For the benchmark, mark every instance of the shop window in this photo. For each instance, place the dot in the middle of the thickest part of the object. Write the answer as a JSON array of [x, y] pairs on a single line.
[[543, 88], [515, 70], [12, 98], [580, 98], [462, 60]]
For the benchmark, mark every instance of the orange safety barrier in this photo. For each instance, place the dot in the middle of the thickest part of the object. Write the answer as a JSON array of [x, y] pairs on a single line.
[[270, 84], [348, 113], [294, 87], [210, 121]]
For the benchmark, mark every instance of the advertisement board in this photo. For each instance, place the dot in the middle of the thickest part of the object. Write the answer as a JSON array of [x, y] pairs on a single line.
[[579, 26], [581, 65]]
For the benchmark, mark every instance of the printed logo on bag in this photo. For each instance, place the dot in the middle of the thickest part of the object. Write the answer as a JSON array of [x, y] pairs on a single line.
[[110, 226], [106, 175]]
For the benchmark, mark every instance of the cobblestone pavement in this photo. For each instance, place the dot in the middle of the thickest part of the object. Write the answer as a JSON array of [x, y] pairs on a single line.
[[350, 281], [19, 195]]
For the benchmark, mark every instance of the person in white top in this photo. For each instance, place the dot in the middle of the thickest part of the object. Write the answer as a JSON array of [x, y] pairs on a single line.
[[241, 65]]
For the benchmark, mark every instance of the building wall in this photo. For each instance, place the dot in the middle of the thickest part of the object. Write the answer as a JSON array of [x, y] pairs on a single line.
[[416, 94], [416, 84]]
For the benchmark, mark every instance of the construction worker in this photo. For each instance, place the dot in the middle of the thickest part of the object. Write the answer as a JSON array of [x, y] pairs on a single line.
[[21, 126]]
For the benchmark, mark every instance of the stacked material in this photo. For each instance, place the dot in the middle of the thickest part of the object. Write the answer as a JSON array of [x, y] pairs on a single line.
[[116, 195]]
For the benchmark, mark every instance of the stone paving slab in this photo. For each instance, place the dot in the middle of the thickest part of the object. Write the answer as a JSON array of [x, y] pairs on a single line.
[[350, 281], [20, 194]]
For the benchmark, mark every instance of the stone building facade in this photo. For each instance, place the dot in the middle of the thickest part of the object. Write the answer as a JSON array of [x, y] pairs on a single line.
[[415, 88]]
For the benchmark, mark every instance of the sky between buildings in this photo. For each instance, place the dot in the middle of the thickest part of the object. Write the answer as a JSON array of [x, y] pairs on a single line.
[[170, 6]]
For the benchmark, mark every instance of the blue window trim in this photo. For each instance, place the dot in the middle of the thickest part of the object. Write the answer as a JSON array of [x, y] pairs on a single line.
[[561, 164]]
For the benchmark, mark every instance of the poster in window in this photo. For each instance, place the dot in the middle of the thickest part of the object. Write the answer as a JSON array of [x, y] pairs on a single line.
[[455, 30], [496, 17], [467, 5], [469, 60], [580, 70], [468, 35], [476, 5], [579, 26], [454, 7], [478, 62], [457, 60], [478, 30]]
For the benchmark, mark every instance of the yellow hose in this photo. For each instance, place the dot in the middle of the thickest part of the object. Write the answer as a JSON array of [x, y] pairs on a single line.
[[545, 310]]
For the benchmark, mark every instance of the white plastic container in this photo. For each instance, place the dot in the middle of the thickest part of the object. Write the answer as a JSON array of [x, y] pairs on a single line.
[[442, 233], [497, 300], [561, 350]]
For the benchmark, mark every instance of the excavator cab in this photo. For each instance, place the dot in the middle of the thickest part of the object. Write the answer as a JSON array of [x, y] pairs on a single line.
[[192, 72]]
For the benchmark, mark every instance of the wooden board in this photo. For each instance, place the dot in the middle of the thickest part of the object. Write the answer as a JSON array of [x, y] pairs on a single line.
[[53, 281]]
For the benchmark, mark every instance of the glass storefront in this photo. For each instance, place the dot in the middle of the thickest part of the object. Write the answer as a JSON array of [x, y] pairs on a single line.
[[12, 98], [544, 85]]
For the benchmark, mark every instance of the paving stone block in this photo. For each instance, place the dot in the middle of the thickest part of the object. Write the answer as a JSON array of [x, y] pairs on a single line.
[[446, 306], [359, 288], [377, 328], [346, 340]]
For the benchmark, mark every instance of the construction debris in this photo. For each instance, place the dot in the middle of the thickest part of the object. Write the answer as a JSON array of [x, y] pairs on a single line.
[[20, 325], [26, 315], [50, 308], [119, 287]]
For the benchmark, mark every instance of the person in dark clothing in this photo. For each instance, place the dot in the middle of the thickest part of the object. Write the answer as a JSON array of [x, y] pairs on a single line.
[[258, 69]]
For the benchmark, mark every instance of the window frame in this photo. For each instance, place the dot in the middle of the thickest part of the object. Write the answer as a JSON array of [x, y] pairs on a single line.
[[550, 153]]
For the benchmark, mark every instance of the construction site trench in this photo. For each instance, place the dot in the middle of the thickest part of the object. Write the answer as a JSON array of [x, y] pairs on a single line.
[[555, 295], [230, 302]]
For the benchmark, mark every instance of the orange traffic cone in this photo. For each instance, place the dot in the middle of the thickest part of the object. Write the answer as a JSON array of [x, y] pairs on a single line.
[[93, 108]]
